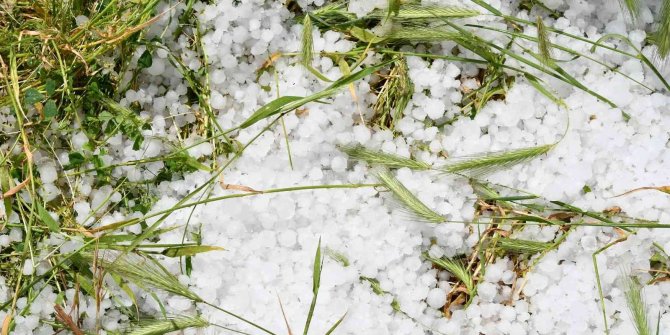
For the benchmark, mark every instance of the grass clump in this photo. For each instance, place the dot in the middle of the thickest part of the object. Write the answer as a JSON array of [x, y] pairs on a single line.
[[393, 97]]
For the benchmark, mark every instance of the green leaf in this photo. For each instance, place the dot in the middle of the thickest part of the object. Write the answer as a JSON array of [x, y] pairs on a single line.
[[336, 324], [105, 116], [76, 160], [536, 83], [394, 8], [50, 87], [145, 60], [276, 106], [189, 250], [316, 282], [32, 96], [46, 218], [316, 275], [50, 109], [346, 80]]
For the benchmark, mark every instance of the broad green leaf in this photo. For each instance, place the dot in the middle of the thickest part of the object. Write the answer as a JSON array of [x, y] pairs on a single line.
[[76, 160], [50, 87], [50, 109], [145, 60], [32, 96]]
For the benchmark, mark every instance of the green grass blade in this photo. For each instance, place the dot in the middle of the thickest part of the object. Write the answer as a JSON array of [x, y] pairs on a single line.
[[490, 162], [407, 199], [636, 305], [47, 219], [336, 324], [632, 7], [316, 283], [164, 326], [390, 161], [273, 107], [537, 84], [288, 103], [488, 7]]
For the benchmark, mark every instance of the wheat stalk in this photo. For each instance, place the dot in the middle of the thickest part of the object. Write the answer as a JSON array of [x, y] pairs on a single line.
[[408, 199], [489, 162], [383, 159]]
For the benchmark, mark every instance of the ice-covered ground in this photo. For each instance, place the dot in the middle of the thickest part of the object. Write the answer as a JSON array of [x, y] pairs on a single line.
[[270, 239]]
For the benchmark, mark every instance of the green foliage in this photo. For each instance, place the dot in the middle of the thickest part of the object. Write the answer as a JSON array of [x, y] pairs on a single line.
[[393, 97], [116, 117], [145, 60]]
